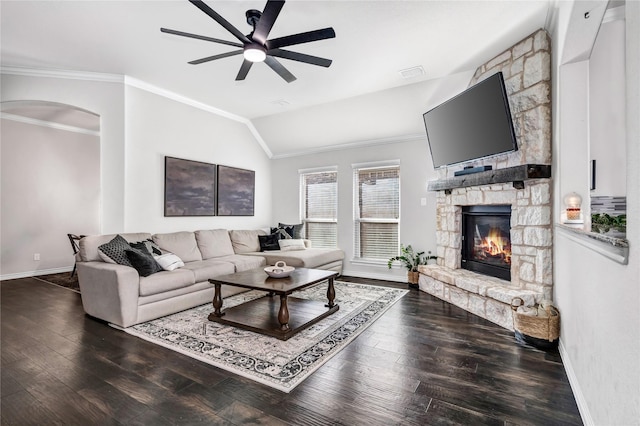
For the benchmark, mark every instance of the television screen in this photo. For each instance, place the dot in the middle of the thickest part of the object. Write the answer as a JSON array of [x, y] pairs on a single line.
[[475, 124]]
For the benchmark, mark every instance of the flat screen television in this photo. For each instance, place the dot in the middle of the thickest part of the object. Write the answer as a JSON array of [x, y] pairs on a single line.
[[474, 124]]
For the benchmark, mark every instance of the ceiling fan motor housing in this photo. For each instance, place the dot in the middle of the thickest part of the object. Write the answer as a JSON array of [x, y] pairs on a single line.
[[253, 16]]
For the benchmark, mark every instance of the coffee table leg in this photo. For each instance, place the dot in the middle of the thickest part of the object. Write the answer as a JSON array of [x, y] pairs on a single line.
[[217, 301], [283, 313], [331, 294]]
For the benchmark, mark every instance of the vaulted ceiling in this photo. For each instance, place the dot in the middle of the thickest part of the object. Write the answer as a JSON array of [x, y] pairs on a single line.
[[361, 97]]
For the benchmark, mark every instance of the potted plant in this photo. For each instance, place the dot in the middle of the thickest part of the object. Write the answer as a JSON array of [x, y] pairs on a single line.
[[411, 260]]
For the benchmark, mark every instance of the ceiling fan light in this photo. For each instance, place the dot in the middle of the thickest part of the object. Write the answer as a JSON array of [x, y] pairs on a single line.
[[254, 53]]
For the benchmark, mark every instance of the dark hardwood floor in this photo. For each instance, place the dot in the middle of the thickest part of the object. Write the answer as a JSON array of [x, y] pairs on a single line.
[[424, 362]]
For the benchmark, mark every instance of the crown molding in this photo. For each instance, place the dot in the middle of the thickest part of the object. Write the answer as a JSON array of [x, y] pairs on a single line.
[[48, 124], [66, 74], [351, 145]]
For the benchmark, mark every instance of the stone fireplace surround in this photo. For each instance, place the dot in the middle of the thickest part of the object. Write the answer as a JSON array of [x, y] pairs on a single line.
[[526, 68]]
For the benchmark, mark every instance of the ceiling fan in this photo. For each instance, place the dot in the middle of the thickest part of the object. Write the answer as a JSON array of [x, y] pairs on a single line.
[[254, 46]]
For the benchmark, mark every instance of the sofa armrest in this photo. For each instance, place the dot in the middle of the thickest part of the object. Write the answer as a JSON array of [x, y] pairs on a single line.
[[109, 292]]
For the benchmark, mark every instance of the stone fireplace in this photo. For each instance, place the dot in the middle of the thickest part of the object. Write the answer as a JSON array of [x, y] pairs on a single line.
[[510, 255]]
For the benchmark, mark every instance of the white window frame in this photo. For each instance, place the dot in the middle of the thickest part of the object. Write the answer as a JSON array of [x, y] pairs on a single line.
[[357, 220], [303, 213]]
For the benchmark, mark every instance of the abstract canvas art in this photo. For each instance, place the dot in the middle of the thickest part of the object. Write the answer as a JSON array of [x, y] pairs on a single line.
[[189, 188], [236, 191]]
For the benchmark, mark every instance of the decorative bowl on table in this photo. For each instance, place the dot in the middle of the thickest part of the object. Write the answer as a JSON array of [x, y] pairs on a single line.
[[279, 270]]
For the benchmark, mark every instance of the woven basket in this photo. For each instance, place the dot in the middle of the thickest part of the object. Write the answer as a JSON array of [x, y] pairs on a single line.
[[543, 328]]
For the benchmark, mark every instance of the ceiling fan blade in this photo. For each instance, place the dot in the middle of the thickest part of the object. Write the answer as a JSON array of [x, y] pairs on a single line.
[[244, 70], [199, 37], [220, 20], [214, 57], [269, 16], [279, 69], [300, 57], [301, 38]]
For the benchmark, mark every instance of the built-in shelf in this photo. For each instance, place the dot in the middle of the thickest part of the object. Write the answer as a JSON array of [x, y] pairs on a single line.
[[518, 175], [616, 249]]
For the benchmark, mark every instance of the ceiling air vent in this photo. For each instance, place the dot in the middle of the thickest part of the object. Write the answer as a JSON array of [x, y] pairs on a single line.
[[412, 72]]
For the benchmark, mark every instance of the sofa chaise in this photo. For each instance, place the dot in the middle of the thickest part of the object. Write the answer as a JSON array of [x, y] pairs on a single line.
[[119, 295]]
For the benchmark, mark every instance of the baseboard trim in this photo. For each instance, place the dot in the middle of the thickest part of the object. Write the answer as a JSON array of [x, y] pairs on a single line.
[[583, 408], [29, 274], [374, 276]]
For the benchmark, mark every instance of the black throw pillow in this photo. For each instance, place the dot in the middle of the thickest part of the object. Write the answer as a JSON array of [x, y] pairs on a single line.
[[147, 246], [269, 242], [281, 233], [143, 262]]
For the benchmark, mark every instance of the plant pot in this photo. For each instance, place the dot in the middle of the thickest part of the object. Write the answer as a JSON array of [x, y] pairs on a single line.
[[413, 277]]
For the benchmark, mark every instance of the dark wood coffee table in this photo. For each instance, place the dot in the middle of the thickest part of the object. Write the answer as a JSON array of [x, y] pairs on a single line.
[[281, 319]]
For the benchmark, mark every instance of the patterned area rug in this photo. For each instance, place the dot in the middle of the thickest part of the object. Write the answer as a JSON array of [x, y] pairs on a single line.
[[276, 363], [63, 279]]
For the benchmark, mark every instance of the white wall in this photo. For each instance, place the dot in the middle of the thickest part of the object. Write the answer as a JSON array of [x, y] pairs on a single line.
[[50, 187], [607, 109], [417, 222], [597, 297], [103, 98], [157, 126]]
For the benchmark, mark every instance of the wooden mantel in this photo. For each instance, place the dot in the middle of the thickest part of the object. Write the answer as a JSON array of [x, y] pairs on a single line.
[[517, 175]]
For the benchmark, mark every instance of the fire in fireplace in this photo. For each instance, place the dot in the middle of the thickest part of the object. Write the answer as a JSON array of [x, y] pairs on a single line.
[[486, 240]]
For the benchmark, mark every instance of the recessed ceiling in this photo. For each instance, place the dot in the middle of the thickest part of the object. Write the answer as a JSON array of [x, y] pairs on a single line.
[[374, 41]]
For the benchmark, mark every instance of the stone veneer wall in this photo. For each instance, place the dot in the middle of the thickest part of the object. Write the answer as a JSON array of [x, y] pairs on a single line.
[[527, 72]]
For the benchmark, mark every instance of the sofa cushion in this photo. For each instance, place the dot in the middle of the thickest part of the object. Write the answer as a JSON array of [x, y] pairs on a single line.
[[89, 245], [165, 281], [207, 269], [143, 262], [243, 262], [214, 243], [183, 244], [245, 241], [309, 258]]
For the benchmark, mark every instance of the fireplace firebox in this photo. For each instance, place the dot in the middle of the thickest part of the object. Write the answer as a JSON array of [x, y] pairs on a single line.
[[486, 240]]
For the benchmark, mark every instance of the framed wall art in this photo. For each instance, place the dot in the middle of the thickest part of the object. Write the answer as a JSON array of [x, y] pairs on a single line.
[[236, 191], [189, 188]]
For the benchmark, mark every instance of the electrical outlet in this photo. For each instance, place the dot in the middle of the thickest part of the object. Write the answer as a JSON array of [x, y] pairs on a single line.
[[36, 256], [423, 201]]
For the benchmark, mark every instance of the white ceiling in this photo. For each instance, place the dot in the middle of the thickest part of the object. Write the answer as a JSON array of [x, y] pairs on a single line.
[[374, 41]]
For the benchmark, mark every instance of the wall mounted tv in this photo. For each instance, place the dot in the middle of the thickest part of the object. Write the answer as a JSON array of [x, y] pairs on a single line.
[[474, 124]]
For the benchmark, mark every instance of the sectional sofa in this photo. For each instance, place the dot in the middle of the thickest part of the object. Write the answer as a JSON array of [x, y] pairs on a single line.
[[119, 295]]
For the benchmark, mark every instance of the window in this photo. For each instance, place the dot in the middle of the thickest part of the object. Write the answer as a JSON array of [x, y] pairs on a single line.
[[377, 211], [319, 199]]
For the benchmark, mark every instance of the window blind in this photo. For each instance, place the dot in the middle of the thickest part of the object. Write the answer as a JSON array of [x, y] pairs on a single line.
[[320, 207], [377, 212]]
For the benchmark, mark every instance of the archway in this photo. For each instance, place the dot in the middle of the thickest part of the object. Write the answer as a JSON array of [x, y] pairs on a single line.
[[50, 184]]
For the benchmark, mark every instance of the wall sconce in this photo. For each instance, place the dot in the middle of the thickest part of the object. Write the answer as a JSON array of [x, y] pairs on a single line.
[[573, 208]]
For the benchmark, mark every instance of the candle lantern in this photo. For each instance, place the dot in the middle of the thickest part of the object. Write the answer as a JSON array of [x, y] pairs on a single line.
[[573, 203]]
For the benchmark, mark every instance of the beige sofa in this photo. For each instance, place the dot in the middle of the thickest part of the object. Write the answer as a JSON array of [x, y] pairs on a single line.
[[119, 295]]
